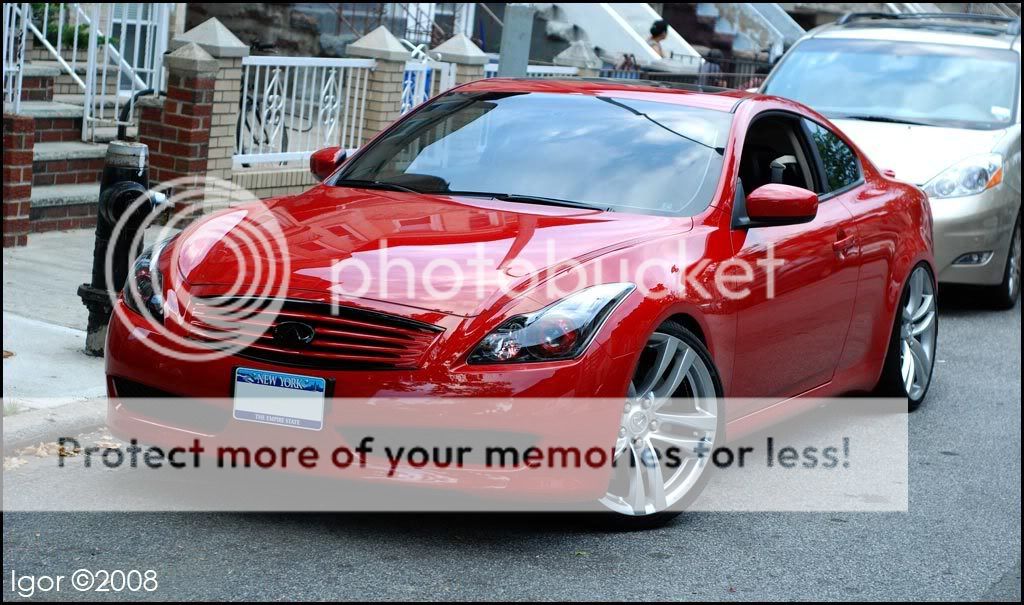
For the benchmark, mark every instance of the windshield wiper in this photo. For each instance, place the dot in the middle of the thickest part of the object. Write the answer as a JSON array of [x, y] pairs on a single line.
[[531, 199], [366, 184], [886, 119]]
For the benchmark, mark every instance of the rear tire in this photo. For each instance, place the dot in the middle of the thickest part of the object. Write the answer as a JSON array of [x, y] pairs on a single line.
[[1005, 295], [656, 380], [910, 361]]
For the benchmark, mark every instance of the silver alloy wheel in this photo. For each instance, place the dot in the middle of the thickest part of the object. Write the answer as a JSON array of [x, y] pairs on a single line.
[[672, 404], [917, 334], [1014, 277]]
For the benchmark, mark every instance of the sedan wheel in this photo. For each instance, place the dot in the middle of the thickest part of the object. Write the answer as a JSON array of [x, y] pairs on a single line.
[[1013, 277], [917, 334], [668, 428]]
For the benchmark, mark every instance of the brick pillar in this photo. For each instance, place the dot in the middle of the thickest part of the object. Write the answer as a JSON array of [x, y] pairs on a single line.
[[217, 40], [227, 95], [19, 139], [384, 86], [178, 130], [468, 58]]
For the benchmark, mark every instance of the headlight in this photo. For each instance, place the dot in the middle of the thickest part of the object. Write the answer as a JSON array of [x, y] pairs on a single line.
[[969, 177], [145, 284], [559, 331]]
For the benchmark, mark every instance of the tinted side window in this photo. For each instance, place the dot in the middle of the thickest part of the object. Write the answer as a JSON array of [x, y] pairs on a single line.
[[838, 160]]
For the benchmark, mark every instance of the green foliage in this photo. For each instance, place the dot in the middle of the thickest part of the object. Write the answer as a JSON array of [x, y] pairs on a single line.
[[71, 35]]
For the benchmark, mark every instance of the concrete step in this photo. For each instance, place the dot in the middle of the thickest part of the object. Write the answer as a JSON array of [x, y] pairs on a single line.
[[67, 163], [108, 101], [69, 150], [65, 195], [37, 70], [51, 109], [63, 207]]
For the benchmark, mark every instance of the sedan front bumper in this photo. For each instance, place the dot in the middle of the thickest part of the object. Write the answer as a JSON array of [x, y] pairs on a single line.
[[980, 223]]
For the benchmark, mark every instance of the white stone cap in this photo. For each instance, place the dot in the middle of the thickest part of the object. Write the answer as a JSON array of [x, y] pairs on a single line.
[[459, 49], [215, 39], [191, 58], [379, 44]]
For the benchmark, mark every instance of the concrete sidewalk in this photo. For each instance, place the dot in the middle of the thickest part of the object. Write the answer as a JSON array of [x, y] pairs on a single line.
[[49, 384]]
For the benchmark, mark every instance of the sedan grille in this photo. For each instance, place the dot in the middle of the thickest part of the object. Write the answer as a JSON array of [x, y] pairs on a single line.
[[315, 335]]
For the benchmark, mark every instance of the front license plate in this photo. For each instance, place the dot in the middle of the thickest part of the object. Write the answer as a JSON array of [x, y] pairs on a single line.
[[279, 398]]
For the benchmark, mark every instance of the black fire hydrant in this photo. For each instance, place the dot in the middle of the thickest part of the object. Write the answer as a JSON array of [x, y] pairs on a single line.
[[125, 179]]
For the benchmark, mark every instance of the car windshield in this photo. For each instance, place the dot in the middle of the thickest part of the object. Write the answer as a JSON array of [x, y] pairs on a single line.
[[931, 84], [603, 152]]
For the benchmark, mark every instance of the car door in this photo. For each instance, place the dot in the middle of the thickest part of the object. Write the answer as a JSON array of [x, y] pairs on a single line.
[[878, 232], [791, 329]]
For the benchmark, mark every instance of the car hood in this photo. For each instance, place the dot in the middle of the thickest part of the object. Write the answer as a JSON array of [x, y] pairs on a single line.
[[461, 253], [917, 153]]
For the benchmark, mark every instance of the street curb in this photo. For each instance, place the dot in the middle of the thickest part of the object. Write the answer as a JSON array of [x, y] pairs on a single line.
[[50, 424]]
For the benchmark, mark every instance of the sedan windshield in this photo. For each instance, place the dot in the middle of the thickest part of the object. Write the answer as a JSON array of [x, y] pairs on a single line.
[[880, 80], [601, 152]]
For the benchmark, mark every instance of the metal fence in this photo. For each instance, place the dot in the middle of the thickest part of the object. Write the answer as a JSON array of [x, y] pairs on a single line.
[[423, 23], [15, 30], [735, 73], [123, 46], [537, 71], [425, 79], [293, 106], [740, 81]]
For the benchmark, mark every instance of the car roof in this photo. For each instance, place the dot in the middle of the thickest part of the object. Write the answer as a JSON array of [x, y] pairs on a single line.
[[952, 29], [704, 97]]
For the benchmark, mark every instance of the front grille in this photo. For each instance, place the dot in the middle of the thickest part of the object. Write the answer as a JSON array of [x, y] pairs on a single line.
[[343, 337]]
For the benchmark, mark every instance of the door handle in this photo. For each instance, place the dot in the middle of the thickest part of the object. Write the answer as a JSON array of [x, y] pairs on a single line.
[[844, 246]]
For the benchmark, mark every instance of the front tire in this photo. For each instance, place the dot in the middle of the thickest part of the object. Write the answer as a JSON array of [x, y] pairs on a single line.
[[1005, 295], [910, 362], [673, 407]]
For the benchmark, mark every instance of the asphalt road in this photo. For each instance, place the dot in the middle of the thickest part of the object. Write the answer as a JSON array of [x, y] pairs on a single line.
[[960, 539]]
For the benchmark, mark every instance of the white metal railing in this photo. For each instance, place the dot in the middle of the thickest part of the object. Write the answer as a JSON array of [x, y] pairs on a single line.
[[424, 79], [133, 37], [537, 71], [15, 30], [123, 43], [293, 106]]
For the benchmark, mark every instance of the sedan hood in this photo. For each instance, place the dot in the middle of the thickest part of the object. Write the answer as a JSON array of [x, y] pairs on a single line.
[[429, 252], [917, 153]]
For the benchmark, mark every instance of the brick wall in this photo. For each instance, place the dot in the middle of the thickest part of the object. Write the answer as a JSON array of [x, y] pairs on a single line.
[[62, 217], [227, 94], [67, 172], [383, 97], [17, 185], [270, 183], [178, 131], [49, 130], [35, 88]]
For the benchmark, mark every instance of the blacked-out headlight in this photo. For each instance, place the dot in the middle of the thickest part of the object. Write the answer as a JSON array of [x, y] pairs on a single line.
[[559, 331], [143, 291]]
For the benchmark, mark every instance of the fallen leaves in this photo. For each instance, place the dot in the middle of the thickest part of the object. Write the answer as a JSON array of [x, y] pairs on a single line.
[[41, 450]]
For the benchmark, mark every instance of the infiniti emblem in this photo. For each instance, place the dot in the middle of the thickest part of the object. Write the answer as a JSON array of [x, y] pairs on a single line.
[[294, 333]]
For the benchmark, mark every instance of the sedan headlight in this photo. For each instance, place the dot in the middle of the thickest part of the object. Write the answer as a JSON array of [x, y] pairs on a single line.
[[969, 177], [145, 283], [559, 331]]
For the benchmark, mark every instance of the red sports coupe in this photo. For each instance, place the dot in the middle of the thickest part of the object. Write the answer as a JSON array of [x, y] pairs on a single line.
[[567, 241]]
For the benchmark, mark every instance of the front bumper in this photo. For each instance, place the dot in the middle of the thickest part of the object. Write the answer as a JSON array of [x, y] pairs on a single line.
[[542, 405], [978, 223]]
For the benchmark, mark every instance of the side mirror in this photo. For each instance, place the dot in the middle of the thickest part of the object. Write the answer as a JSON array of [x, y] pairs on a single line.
[[324, 162], [776, 204]]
